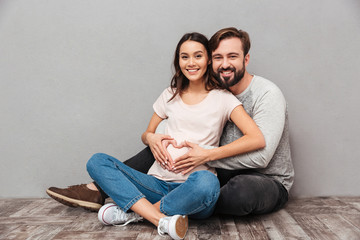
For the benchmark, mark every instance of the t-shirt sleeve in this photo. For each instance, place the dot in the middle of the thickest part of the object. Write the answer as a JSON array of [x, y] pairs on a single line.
[[160, 104], [230, 102]]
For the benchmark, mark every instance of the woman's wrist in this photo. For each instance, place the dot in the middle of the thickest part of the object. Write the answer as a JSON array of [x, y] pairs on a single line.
[[145, 137], [214, 154]]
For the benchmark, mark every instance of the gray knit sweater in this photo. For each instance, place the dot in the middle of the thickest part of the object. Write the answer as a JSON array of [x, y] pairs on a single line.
[[265, 103]]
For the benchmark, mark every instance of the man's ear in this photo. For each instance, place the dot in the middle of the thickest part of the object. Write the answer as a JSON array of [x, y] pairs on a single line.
[[247, 59]]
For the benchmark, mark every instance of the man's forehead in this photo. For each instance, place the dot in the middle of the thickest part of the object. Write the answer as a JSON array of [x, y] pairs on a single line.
[[228, 46]]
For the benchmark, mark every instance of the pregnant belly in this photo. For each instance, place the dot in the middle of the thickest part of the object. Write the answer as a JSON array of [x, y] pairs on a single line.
[[176, 152]]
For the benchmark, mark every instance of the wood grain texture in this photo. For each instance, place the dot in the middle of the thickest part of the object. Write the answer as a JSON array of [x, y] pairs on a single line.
[[308, 218]]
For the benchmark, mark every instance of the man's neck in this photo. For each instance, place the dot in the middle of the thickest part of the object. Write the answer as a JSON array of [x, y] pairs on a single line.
[[242, 85]]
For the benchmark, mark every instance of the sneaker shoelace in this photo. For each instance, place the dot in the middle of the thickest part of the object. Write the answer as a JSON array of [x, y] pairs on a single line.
[[162, 230], [121, 216]]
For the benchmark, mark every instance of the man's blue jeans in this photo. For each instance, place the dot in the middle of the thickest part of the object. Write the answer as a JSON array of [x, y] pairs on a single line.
[[196, 197]]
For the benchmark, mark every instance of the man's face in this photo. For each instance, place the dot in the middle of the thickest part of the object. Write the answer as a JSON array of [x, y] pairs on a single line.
[[228, 62]]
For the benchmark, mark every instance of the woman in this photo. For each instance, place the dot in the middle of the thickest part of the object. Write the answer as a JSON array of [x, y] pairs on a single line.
[[196, 110]]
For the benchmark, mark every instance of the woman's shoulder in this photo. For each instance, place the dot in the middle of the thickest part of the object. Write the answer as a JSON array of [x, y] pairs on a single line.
[[222, 92], [169, 91], [223, 96]]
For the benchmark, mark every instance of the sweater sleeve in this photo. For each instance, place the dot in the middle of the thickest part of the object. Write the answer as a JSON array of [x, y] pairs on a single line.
[[269, 112]]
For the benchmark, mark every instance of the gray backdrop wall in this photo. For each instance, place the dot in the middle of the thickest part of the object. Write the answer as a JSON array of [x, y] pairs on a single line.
[[80, 76]]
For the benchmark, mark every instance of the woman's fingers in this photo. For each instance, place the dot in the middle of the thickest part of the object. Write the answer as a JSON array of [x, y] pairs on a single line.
[[158, 157]]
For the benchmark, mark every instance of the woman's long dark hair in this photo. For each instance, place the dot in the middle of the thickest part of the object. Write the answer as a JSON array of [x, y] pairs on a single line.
[[179, 82]]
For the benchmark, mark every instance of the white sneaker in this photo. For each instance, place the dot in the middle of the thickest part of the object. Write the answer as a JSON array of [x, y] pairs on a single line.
[[111, 214], [176, 226]]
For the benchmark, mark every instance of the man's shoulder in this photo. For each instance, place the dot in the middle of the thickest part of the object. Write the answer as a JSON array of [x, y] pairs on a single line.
[[261, 83], [262, 86]]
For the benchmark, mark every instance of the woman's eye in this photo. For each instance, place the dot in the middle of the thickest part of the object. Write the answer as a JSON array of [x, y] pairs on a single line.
[[184, 57], [198, 56]]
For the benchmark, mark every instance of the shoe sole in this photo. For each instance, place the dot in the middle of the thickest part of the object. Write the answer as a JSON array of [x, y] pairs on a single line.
[[181, 227], [94, 207]]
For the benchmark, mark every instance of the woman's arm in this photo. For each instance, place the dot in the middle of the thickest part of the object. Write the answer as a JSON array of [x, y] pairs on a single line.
[[251, 140], [269, 112], [155, 141]]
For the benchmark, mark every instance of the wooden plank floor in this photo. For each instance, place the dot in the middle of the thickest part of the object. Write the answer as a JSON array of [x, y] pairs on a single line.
[[310, 218]]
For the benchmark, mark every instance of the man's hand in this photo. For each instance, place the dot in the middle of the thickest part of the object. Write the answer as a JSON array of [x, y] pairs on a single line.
[[194, 157]]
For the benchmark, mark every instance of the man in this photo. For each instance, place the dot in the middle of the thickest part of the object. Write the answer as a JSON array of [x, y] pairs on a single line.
[[254, 183]]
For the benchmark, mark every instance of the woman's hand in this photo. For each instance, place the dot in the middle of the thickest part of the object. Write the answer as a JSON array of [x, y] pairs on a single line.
[[158, 144], [170, 163], [194, 157]]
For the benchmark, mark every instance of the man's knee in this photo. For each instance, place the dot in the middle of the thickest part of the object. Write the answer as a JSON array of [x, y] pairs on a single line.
[[245, 194], [239, 191]]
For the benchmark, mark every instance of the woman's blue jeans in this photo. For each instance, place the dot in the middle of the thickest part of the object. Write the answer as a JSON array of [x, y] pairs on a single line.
[[196, 197]]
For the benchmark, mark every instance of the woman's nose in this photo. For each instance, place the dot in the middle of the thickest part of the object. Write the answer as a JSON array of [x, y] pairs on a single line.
[[191, 61]]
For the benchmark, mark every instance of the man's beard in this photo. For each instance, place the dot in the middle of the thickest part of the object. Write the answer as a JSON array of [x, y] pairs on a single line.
[[226, 81]]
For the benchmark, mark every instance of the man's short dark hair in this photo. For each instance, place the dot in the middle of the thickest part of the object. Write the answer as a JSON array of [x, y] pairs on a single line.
[[230, 32]]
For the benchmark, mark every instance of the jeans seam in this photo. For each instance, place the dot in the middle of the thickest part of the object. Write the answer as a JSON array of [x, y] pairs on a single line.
[[215, 196], [132, 202], [162, 207], [136, 180], [162, 201]]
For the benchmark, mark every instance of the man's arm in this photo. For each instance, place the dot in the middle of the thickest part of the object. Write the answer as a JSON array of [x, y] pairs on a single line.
[[269, 114]]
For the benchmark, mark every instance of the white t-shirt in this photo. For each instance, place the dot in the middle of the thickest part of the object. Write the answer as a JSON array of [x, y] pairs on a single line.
[[200, 123]]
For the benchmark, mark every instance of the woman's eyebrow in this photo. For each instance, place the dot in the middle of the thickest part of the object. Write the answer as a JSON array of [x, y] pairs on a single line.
[[200, 51]]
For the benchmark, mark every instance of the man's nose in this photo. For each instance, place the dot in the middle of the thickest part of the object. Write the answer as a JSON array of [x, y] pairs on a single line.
[[225, 64]]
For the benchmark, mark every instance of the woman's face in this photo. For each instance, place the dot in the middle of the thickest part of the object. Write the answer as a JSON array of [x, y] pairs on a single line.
[[193, 60]]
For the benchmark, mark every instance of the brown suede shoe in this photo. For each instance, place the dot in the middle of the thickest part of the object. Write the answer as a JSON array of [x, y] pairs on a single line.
[[77, 196]]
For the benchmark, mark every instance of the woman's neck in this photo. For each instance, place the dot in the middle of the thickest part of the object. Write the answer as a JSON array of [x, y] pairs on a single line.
[[194, 93], [196, 87]]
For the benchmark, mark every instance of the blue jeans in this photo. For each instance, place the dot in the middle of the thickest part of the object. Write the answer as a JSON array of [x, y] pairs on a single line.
[[196, 197]]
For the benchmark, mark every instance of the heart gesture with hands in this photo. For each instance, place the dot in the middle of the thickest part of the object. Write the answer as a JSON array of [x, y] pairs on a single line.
[[194, 157]]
